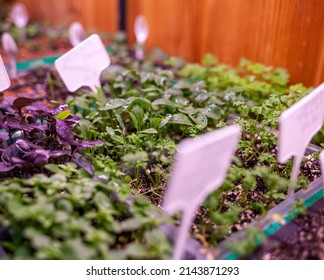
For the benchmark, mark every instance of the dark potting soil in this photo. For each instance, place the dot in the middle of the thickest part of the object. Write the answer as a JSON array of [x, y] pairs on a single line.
[[41, 46], [300, 239], [38, 84], [310, 169]]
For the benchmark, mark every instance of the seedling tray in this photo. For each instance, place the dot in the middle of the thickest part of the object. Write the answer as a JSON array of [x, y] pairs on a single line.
[[297, 239], [269, 225], [41, 61]]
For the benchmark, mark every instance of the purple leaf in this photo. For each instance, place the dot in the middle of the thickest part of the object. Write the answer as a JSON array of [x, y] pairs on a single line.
[[64, 131], [7, 107], [4, 168], [83, 163], [59, 109], [18, 162], [7, 155], [10, 100], [23, 146], [3, 135], [21, 102], [39, 157], [28, 127], [3, 125], [59, 153], [38, 107], [72, 120]]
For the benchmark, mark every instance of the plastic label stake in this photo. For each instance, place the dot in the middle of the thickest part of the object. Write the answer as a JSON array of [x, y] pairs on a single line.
[[4, 79], [297, 126], [76, 33], [322, 167], [141, 30], [200, 167], [19, 15], [82, 66], [20, 18], [10, 48]]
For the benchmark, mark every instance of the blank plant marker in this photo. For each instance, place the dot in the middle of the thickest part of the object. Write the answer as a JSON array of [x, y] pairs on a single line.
[[82, 66], [322, 167], [4, 79], [297, 126], [200, 167]]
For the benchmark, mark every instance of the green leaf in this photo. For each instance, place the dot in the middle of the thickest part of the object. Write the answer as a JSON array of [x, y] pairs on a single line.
[[117, 139], [201, 120], [133, 250], [114, 104], [212, 112], [76, 249], [181, 101], [38, 239], [149, 131], [63, 115], [101, 96], [132, 224], [143, 102], [209, 60], [180, 119], [163, 102], [136, 157], [137, 115], [165, 121], [249, 182]]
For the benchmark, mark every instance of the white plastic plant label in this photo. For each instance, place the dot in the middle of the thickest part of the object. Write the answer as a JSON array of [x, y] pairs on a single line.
[[10, 48], [19, 15], [322, 167], [200, 167], [82, 66], [4, 79], [76, 33], [141, 30], [297, 126]]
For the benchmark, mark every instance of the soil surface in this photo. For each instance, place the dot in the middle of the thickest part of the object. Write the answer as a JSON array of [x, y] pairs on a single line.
[[300, 239], [40, 47]]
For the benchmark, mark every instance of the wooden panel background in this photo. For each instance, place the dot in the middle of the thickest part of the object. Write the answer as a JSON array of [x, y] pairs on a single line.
[[175, 25], [101, 15], [286, 33]]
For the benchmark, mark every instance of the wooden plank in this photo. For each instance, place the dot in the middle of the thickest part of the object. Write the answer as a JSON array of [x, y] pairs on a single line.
[[101, 15], [282, 33], [172, 25], [285, 33]]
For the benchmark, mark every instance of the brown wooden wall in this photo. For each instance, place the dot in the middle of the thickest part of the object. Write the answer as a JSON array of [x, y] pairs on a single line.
[[101, 15], [286, 33]]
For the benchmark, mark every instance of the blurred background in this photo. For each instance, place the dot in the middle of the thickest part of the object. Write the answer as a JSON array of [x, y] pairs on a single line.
[[285, 33]]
